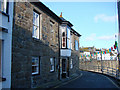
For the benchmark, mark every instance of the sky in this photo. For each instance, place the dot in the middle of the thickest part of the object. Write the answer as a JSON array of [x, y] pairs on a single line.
[[95, 21]]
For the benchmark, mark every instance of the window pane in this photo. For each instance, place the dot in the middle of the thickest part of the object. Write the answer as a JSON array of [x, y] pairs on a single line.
[[34, 18], [36, 23], [76, 44], [0, 5], [35, 65], [37, 19], [71, 64], [63, 44], [52, 64], [68, 43], [63, 39], [68, 33], [36, 32], [5, 6], [63, 34]]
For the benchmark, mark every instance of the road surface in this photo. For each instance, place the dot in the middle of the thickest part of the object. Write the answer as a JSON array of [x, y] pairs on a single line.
[[91, 80]]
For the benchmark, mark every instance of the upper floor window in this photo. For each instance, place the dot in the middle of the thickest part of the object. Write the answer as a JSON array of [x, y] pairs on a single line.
[[52, 30], [63, 40], [4, 6], [68, 38], [51, 26], [76, 45], [36, 25]]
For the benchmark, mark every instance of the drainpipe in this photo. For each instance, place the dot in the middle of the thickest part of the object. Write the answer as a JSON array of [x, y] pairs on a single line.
[[118, 5], [59, 53]]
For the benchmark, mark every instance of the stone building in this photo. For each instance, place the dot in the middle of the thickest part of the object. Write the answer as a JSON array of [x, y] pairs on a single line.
[[75, 52], [69, 49], [36, 46], [6, 21]]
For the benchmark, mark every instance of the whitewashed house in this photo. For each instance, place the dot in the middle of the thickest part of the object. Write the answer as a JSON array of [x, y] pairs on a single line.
[[86, 55], [6, 19], [107, 56]]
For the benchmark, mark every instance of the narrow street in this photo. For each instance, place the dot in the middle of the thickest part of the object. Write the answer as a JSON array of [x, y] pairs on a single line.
[[91, 80]]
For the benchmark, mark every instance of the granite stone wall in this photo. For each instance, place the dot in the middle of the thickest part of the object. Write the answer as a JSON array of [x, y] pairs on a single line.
[[24, 47], [74, 55], [104, 63]]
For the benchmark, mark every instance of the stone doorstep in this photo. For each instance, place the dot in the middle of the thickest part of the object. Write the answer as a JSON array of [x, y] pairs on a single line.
[[58, 82]]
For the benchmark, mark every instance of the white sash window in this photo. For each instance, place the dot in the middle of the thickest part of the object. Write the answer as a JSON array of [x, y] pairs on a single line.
[[68, 38], [76, 45], [52, 64], [3, 5], [35, 65], [36, 25]]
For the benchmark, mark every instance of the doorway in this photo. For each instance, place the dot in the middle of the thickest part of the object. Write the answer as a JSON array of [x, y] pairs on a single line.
[[65, 68]]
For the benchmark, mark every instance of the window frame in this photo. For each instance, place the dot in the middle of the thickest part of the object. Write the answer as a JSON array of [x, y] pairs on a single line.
[[37, 72], [34, 35], [52, 30], [52, 64], [71, 63], [76, 45], [64, 40], [71, 39], [4, 6], [68, 37]]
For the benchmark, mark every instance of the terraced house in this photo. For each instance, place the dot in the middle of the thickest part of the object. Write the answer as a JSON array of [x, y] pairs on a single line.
[[45, 47], [35, 45], [6, 21], [69, 49]]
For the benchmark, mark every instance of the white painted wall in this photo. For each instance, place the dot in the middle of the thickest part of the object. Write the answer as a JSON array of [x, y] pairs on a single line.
[[66, 52], [7, 39], [106, 57], [87, 53]]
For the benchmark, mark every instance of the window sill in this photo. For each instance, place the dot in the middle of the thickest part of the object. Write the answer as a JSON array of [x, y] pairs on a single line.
[[35, 39], [5, 14], [2, 79], [36, 74], [52, 71], [3, 29]]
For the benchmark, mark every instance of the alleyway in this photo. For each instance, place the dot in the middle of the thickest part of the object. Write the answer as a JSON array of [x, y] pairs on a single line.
[[91, 80]]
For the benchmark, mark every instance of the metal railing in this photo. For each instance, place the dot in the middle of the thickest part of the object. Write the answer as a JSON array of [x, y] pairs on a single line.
[[102, 69]]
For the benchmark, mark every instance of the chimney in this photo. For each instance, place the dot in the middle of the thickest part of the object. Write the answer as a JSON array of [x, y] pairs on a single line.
[[61, 14]]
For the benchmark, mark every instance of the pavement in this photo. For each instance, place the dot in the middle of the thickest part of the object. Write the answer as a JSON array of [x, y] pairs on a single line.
[[51, 85]]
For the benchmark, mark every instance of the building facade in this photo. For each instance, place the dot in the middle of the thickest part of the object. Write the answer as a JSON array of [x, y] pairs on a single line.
[[69, 49], [41, 52], [6, 21], [35, 45]]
